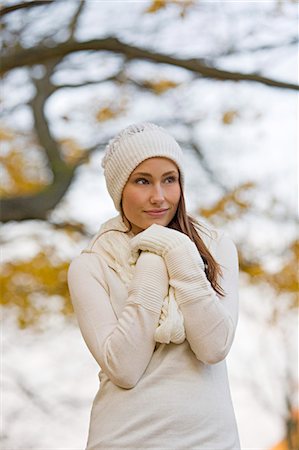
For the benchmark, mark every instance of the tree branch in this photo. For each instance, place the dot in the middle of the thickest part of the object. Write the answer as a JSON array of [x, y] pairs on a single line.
[[265, 47], [18, 6], [75, 19], [56, 87], [42, 54], [44, 89], [38, 206], [211, 174]]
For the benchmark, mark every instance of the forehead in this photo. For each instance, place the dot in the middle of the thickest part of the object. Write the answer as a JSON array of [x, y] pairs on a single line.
[[156, 165]]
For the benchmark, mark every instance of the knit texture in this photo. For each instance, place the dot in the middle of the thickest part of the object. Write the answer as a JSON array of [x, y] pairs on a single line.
[[131, 147], [183, 261], [113, 244], [160, 240]]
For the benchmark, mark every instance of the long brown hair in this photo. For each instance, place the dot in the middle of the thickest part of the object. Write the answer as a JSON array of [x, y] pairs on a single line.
[[186, 224]]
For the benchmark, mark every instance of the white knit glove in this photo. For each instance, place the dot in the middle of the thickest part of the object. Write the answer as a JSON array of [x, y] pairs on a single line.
[[184, 264], [158, 239]]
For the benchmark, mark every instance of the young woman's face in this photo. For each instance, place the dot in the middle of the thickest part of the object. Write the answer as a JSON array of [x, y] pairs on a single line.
[[152, 194]]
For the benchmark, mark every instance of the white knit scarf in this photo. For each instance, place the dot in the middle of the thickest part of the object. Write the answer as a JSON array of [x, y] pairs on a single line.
[[113, 244]]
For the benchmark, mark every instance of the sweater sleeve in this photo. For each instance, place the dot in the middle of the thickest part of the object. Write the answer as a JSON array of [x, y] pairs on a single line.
[[122, 347], [210, 321]]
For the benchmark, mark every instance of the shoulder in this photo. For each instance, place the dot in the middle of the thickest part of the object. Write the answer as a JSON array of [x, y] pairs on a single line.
[[85, 264], [86, 269]]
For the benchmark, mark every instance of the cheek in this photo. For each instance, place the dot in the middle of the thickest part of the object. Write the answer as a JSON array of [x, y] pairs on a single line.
[[176, 194], [131, 198]]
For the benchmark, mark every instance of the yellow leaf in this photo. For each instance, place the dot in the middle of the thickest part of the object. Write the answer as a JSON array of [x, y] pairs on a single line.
[[160, 86], [228, 117], [283, 445], [71, 150], [283, 281], [5, 134], [36, 287], [23, 168], [111, 111], [105, 114], [156, 5], [23, 176], [230, 206], [291, 442]]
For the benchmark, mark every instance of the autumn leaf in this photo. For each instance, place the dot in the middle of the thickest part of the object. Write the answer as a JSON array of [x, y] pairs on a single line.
[[283, 281], [161, 86], [22, 165], [6, 134], [71, 150], [291, 442], [36, 287], [111, 111], [230, 206], [228, 117], [157, 5]]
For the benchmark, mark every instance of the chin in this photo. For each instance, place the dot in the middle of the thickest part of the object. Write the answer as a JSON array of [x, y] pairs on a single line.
[[161, 222]]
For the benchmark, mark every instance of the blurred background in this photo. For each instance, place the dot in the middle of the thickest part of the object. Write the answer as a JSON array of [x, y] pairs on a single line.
[[222, 77]]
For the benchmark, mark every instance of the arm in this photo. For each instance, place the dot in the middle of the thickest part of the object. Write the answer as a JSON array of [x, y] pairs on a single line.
[[210, 321], [124, 347]]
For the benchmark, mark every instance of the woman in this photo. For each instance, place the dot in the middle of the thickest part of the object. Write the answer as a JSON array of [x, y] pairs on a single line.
[[155, 295]]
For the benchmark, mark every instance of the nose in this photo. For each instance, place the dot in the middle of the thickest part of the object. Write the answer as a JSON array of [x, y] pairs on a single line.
[[157, 194]]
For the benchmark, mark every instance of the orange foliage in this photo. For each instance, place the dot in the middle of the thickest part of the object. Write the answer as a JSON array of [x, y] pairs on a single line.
[[71, 150], [230, 206], [287, 277], [291, 442], [111, 111], [160, 86], [23, 169], [228, 117], [283, 281], [157, 5], [6, 135], [36, 287]]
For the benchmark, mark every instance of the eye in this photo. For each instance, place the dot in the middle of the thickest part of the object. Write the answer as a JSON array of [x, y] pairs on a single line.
[[141, 181], [171, 179]]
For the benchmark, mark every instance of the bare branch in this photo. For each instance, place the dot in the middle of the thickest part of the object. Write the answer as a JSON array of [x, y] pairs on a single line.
[[75, 227], [213, 177], [38, 206], [85, 83], [118, 78], [75, 19], [41, 54], [23, 5], [44, 89], [9, 111], [236, 51]]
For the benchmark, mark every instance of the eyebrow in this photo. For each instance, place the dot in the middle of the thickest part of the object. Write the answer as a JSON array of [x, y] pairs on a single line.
[[145, 174]]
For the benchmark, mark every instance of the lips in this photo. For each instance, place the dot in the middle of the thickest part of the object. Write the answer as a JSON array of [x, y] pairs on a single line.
[[157, 212]]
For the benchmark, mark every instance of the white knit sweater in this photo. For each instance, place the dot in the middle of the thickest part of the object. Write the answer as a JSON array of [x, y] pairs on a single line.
[[158, 396]]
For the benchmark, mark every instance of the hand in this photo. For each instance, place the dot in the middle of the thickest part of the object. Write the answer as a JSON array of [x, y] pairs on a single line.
[[158, 239]]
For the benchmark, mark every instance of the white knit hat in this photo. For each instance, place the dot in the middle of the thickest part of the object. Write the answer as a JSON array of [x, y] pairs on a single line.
[[131, 147]]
